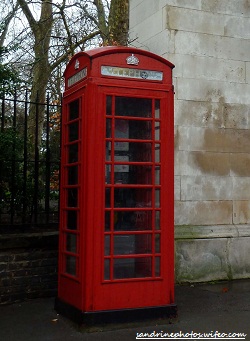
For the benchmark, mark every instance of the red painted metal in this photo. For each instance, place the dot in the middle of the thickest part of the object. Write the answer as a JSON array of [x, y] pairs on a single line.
[[116, 220]]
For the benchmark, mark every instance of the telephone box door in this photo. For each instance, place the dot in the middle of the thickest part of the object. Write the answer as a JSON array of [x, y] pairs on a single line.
[[133, 265]]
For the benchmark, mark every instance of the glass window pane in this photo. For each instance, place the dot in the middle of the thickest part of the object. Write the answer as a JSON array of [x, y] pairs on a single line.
[[108, 128], [121, 147], [135, 151], [73, 175], [108, 105], [122, 129], [133, 174], [107, 245], [124, 268], [107, 197], [157, 243], [106, 269], [131, 106], [121, 174], [71, 242], [132, 244], [133, 129], [133, 220], [157, 266], [124, 245], [157, 108], [73, 131], [73, 153], [157, 153], [157, 175], [72, 218], [72, 200], [157, 131], [107, 220], [132, 267], [107, 174], [70, 265], [157, 197], [157, 220], [73, 110], [108, 150], [133, 197]]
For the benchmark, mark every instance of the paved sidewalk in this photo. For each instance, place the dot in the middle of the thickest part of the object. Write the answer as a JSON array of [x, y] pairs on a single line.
[[222, 307]]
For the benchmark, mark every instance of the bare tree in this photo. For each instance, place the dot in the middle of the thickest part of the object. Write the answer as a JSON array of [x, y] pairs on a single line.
[[58, 30], [41, 30], [5, 24]]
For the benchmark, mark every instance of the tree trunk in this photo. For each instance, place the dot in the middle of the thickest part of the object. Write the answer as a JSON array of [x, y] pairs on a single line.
[[41, 70], [115, 31], [41, 74], [119, 22]]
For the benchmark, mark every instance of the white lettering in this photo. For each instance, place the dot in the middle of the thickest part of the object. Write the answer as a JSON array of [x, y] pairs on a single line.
[[114, 71], [77, 77]]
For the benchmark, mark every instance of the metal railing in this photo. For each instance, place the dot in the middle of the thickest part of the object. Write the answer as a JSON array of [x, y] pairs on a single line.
[[29, 162]]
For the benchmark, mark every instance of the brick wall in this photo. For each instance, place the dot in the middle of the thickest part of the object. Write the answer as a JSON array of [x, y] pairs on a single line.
[[28, 266]]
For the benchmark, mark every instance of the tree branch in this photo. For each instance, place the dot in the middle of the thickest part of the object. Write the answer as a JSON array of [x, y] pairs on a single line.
[[66, 55], [7, 21], [102, 24], [29, 16]]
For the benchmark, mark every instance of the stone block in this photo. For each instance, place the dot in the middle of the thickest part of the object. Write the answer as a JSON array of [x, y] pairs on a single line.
[[163, 43], [209, 163], [190, 20], [213, 91], [202, 163], [238, 257], [241, 188], [194, 43], [241, 212], [214, 258], [239, 8], [142, 10], [200, 260], [177, 187], [209, 68], [194, 4], [238, 27], [190, 138], [240, 164], [147, 28], [236, 116], [193, 113], [211, 231], [203, 212], [213, 140], [202, 188], [248, 72]]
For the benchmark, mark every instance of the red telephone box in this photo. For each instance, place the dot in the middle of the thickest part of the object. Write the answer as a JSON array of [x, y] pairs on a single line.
[[116, 257]]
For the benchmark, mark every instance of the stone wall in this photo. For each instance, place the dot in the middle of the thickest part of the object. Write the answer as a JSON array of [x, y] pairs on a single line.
[[209, 43], [28, 266]]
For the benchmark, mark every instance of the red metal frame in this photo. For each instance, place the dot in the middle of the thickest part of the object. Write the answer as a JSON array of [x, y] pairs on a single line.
[[84, 281]]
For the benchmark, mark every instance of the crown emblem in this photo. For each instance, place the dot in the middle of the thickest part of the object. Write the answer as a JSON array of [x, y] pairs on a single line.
[[77, 64], [132, 60]]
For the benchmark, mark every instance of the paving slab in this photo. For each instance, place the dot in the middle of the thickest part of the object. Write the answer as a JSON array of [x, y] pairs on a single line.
[[213, 308]]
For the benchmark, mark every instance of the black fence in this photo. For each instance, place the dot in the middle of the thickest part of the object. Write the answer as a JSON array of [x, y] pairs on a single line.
[[29, 162]]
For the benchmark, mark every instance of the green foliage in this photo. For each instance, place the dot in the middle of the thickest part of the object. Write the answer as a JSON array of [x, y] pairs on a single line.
[[10, 182], [13, 180]]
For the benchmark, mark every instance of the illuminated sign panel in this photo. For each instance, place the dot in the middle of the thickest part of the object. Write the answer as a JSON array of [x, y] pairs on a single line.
[[77, 77], [131, 73]]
